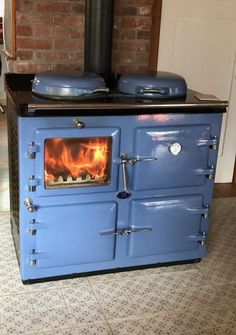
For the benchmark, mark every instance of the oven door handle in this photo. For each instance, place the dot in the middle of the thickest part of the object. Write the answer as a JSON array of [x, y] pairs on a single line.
[[125, 193], [137, 159]]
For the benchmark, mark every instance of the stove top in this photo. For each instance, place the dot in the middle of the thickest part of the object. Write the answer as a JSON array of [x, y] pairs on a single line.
[[19, 86]]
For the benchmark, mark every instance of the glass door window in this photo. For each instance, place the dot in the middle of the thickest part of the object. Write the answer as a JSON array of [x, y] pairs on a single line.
[[77, 162]]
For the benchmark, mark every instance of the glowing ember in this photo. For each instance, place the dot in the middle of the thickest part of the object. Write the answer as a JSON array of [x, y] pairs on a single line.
[[77, 161]]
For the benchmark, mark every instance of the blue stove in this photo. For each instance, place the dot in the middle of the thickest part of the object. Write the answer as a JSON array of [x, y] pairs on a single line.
[[111, 183]]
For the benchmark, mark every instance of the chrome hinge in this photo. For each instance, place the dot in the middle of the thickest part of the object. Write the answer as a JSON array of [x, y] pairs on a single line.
[[212, 142], [32, 149], [204, 211], [32, 183], [125, 231], [209, 172], [201, 238], [32, 261], [32, 232]]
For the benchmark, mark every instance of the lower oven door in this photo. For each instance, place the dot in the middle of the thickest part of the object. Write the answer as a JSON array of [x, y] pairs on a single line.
[[174, 226], [76, 235]]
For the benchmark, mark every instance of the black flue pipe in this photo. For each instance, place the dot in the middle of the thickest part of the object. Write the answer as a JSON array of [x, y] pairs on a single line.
[[99, 17]]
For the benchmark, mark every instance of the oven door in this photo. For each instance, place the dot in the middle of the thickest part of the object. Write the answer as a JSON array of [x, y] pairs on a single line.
[[72, 235], [174, 226], [170, 157], [76, 161]]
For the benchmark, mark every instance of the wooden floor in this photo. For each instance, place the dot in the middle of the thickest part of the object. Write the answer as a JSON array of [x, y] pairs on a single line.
[[224, 190], [220, 190]]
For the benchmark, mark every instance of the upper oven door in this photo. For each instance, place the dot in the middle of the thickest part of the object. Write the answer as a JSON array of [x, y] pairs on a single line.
[[76, 161], [170, 157]]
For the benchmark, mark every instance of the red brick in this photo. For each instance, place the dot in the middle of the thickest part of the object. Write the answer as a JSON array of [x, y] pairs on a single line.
[[77, 57], [143, 35], [24, 54], [27, 68], [77, 33], [53, 7], [127, 11], [22, 18], [69, 21], [135, 46], [29, 43], [67, 44], [142, 57], [142, 68], [60, 32], [128, 35], [145, 11], [43, 30], [77, 8], [24, 5], [136, 22], [66, 67], [52, 56], [127, 57], [126, 68], [24, 30]]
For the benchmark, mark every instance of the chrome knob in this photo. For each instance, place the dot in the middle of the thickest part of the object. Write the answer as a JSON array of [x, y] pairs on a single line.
[[78, 123], [29, 203], [31, 209]]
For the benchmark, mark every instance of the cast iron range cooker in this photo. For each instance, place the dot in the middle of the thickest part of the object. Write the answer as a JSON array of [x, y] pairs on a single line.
[[110, 183]]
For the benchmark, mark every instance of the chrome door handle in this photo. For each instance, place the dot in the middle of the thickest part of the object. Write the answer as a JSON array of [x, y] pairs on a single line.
[[125, 193], [135, 160]]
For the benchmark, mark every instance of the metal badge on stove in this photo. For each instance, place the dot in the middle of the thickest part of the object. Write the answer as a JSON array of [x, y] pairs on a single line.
[[175, 148]]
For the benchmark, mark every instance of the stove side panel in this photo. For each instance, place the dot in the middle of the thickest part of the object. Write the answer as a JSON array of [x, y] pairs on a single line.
[[13, 158]]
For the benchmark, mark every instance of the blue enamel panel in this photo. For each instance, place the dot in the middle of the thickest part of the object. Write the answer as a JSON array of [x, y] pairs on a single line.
[[172, 222], [72, 236], [169, 170]]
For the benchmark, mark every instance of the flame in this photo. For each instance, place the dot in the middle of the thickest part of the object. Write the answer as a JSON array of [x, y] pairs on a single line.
[[77, 158]]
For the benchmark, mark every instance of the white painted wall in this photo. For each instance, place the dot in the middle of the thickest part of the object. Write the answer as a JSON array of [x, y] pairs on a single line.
[[198, 41]]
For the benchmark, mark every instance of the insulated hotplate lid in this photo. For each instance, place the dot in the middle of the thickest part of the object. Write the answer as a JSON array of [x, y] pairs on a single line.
[[69, 85], [160, 85]]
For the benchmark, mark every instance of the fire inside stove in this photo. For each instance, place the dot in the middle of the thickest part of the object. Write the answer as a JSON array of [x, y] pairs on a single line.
[[75, 162]]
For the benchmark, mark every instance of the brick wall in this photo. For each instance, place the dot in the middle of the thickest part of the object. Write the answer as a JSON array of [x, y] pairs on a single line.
[[50, 35]]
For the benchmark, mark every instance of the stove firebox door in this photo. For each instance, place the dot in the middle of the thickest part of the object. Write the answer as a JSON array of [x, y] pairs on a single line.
[[181, 157], [174, 227], [71, 161]]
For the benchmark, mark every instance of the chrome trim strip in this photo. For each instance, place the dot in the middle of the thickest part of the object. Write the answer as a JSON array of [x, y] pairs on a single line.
[[101, 106]]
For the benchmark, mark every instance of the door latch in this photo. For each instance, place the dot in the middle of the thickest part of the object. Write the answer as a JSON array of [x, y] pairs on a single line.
[[125, 231]]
